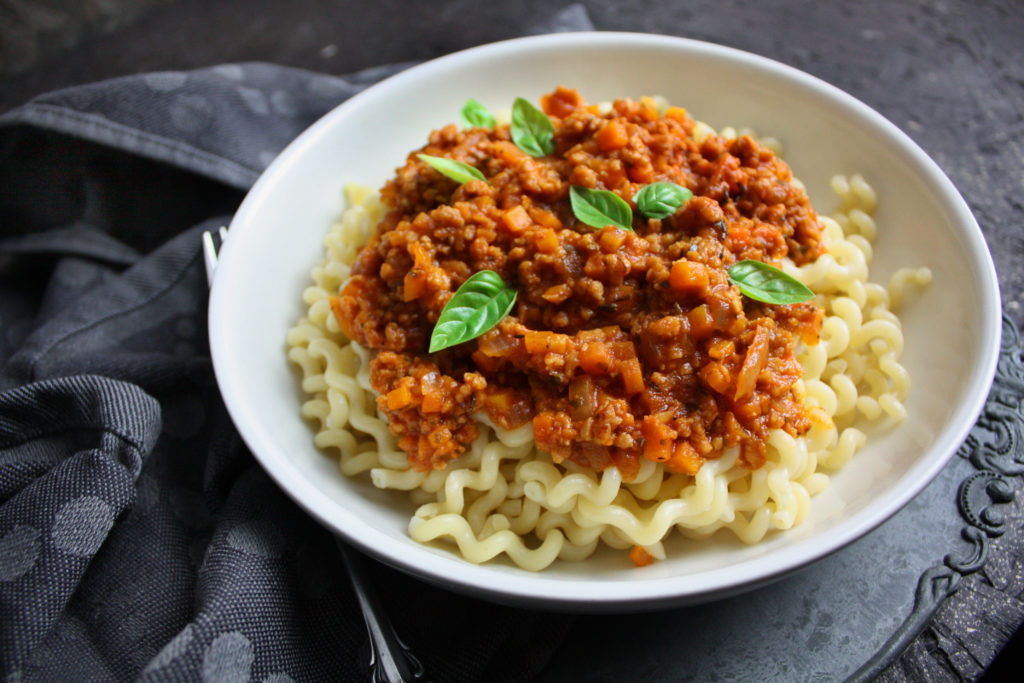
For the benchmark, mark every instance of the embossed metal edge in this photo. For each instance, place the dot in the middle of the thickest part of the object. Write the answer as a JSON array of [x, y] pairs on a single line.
[[991, 448]]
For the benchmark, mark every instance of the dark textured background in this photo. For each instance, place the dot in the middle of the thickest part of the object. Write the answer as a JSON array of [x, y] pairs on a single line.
[[950, 74]]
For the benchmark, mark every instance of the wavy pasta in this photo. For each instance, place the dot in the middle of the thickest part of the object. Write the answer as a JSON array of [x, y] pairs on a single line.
[[504, 497]]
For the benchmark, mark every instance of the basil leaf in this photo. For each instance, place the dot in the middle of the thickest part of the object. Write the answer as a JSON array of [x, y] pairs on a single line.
[[599, 208], [456, 170], [531, 129], [478, 305], [766, 283], [476, 115], [661, 200]]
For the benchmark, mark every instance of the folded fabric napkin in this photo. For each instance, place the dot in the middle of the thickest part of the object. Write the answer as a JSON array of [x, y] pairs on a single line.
[[138, 537]]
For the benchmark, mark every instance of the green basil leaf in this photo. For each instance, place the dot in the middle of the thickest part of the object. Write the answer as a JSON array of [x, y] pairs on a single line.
[[598, 208], [531, 129], [456, 170], [766, 283], [661, 200], [477, 306], [476, 115]]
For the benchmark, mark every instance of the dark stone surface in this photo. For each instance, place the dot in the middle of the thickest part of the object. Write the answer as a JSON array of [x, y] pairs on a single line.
[[950, 74]]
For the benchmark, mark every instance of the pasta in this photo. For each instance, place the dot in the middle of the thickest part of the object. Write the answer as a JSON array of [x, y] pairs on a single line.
[[505, 497]]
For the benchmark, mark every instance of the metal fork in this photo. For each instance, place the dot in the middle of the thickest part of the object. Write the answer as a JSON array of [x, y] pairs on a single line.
[[391, 661]]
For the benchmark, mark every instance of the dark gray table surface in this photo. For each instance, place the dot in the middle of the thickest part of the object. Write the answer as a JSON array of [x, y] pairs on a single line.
[[949, 73]]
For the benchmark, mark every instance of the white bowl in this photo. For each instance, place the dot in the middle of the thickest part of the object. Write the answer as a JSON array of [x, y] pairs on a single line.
[[952, 331]]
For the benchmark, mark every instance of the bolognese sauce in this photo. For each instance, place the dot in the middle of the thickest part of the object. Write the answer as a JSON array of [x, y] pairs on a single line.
[[622, 344]]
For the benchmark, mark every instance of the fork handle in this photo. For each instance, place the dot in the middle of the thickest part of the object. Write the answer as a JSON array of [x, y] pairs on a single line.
[[391, 661]]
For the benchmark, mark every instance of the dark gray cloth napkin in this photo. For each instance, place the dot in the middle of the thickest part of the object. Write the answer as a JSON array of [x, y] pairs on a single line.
[[138, 537]]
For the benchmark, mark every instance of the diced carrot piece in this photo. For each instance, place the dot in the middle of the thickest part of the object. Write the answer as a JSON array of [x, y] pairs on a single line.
[[701, 323], [640, 173], [547, 242], [622, 350], [628, 366], [640, 557], [659, 439], [414, 285], [595, 359], [545, 218], [433, 403], [632, 376], [508, 152], [613, 135], [611, 239], [516, 220], [421, 259], [545, 342], [562, 102], [739, 234], [400, 396], [716, 376], [535, 342], [648, 108], [677, 113], [684, 460], [557, 294], [722, 348], [689, 277]]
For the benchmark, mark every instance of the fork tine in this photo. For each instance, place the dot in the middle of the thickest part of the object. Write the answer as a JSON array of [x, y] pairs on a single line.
[[209, 255], [210, 250]]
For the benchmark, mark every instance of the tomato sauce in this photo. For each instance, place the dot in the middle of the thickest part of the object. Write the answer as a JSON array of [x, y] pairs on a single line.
[[622, 344]]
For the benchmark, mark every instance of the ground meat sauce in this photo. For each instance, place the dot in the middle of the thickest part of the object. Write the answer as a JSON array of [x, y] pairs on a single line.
[[622, 344]]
